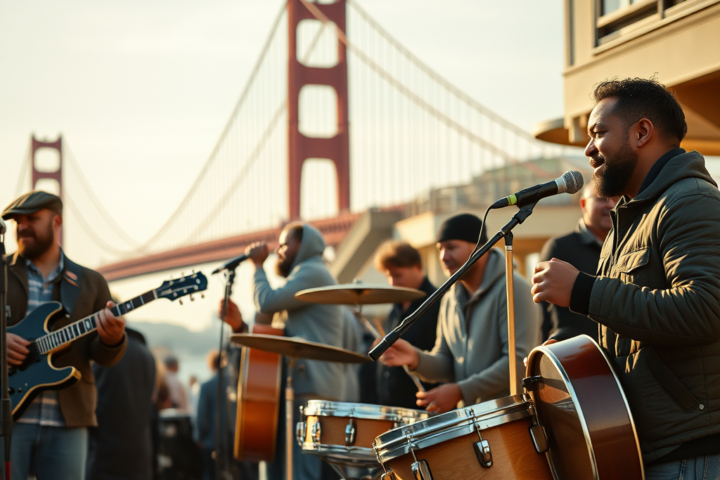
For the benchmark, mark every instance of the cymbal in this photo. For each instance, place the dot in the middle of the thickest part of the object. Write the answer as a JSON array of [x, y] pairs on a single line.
[[359, 294], [298, 348]]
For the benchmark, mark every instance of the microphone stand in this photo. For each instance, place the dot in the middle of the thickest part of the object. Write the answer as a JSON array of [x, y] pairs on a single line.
[[398, 331], [7, 423], [220, 452]]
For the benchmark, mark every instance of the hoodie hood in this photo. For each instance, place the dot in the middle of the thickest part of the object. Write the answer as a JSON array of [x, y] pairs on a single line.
[[685, 165], [312, 245]]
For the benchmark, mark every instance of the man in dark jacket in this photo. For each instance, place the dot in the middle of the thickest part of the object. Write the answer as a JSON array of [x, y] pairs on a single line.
[[656, 296], [121, 446], [580, 249], [401, 264], [51, 435]]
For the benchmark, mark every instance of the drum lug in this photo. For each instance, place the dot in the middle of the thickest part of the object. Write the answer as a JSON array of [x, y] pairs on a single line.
[[389, 475], [421, 470], [483, 453], [482, 448], [316, 433], [539, 438], [300, 429], [350, 433]]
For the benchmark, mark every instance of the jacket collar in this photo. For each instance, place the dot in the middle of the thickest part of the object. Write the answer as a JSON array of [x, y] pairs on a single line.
[[684, 165]]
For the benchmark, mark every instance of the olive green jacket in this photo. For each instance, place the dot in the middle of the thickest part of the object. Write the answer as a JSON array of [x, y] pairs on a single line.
[[657, 300], [77, 402]]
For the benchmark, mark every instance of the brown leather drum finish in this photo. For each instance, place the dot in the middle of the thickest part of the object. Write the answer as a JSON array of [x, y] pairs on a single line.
[[580, 404], [258, 402], [513, 454]]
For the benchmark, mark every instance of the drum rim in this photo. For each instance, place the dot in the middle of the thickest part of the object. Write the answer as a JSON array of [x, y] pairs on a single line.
[[571, 391], [327, 408], [354, 455], [419, 435], [573, 396]]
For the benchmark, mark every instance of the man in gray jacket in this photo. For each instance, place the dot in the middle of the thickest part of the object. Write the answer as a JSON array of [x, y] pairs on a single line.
[[657, 292], [471, 349], [299, 260]]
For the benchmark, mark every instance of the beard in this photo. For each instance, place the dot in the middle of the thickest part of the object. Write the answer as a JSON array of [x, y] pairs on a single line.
[[612, 178], [36, 248], [283, 266]]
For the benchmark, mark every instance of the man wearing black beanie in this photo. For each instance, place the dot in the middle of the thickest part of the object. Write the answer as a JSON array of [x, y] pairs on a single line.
[[471, 350]]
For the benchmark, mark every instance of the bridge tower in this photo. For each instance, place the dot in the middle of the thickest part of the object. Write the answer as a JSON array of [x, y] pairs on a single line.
[[44, 174], [302, 147]]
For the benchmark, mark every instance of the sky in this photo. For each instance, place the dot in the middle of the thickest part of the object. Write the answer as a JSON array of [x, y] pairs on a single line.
[[142, 90]]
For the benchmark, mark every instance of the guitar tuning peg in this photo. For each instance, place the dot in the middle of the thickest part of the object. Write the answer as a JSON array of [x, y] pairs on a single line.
[[182, 273], [192, 299], [180, 301], [202, 295]]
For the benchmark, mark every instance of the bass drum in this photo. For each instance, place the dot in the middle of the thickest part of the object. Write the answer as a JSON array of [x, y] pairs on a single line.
[[581, 405], [491, 440]]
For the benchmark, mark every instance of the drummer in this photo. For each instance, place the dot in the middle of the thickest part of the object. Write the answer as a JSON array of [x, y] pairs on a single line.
[[471, 347], [401, 264], [300, 262]]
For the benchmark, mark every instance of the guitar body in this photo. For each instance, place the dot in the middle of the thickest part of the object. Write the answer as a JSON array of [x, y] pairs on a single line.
[[581, 406], [37, 373], [258, 401]]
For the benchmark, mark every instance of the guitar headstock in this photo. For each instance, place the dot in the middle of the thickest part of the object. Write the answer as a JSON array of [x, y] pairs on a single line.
[[177, 288]]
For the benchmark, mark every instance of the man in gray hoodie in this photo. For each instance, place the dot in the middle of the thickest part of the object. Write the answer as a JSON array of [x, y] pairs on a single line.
[[300, 249], [471, 350]]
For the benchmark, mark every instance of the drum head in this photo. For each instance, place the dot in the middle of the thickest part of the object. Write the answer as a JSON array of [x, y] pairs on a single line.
[[583, 410]]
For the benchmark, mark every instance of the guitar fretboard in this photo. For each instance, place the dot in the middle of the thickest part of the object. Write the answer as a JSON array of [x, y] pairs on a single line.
[[89, 324]]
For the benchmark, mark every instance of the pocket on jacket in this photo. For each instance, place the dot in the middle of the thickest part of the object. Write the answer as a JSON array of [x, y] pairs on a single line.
[[632, 266], [669, 382]]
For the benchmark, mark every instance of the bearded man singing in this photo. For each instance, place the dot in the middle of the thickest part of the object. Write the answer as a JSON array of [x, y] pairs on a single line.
[[657, 292]]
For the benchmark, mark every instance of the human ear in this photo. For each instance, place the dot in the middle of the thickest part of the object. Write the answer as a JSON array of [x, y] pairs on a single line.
[[644, 132]]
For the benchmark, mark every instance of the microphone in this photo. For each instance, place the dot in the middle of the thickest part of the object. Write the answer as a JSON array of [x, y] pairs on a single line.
[[231, 264], [570, 182]]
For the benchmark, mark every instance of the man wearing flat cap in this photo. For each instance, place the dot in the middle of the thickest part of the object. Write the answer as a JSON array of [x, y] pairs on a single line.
[[471, 349], [51, 434]]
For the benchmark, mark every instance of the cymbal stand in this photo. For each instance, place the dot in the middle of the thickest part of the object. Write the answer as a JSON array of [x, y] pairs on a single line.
[[379, 335]]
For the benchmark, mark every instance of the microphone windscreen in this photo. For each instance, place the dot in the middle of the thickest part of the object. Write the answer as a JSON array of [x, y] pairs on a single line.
[[573, 180]]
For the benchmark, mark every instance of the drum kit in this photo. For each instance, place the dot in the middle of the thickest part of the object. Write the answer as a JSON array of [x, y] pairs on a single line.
[[571, 422]]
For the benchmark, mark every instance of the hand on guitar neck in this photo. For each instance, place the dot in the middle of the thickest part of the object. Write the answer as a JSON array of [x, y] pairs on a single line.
[[110, 329]]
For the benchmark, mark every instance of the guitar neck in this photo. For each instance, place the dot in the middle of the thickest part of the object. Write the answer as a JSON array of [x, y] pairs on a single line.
[[89, 324]]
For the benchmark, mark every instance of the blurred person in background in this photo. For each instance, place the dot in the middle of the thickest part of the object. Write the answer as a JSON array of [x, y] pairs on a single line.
[[121, 446], [176, 390], [401, 264]]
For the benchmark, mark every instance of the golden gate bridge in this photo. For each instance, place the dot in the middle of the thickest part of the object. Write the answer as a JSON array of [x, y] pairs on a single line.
[[337, 118]]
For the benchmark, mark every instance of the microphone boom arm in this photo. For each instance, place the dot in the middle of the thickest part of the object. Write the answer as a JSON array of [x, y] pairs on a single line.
[[398, 331]]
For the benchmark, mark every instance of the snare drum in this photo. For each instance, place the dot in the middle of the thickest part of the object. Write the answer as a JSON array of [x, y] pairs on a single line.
[[343, 433], [498, 439]]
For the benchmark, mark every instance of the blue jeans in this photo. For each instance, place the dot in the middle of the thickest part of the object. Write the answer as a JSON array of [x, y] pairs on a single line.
[[699, 468], [53, 452]]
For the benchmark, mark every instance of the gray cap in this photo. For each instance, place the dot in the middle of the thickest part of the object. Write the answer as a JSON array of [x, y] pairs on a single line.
[[32, 202]]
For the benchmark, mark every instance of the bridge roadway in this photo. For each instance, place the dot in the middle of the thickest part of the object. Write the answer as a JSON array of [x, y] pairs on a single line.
[[334, 231]]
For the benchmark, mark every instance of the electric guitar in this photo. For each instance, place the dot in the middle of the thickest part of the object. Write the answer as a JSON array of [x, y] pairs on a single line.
[[37, 372]]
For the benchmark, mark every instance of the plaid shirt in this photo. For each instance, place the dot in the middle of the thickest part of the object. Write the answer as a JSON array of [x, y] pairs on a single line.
[[45, 409]]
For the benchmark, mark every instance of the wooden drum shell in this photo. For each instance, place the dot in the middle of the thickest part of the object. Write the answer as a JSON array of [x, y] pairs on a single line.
[[513, 454]]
